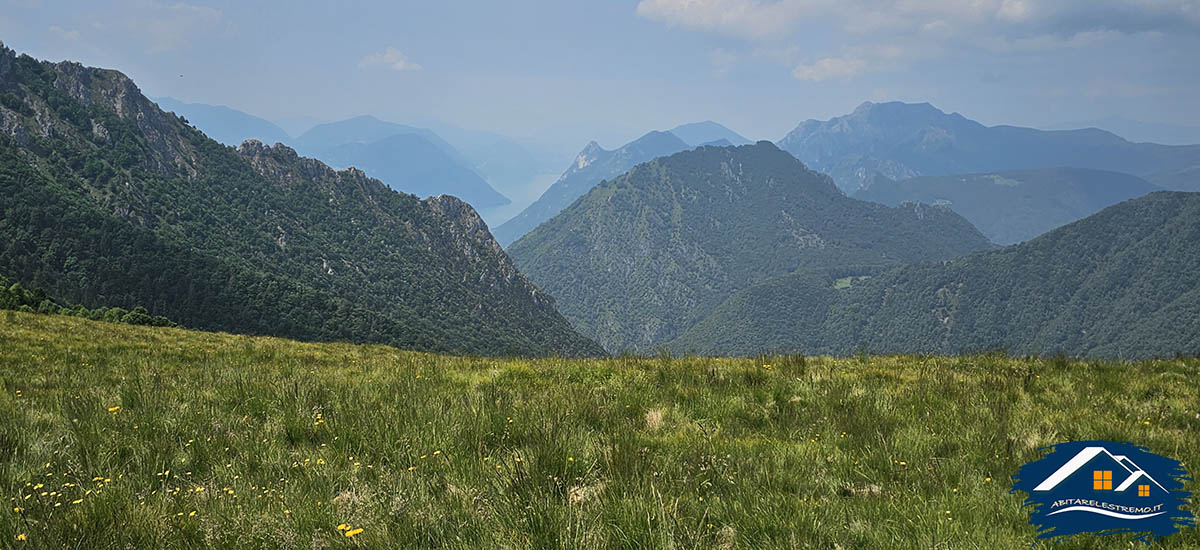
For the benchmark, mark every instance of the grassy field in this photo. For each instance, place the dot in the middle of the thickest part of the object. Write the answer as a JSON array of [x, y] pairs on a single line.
[[115, 436]]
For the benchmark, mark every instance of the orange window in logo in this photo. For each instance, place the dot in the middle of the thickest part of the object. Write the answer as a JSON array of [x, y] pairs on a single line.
[[1102, 480], [1143, 490]]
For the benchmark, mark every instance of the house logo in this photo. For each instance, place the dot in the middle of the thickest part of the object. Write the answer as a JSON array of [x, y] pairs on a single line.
[[1102, 487]]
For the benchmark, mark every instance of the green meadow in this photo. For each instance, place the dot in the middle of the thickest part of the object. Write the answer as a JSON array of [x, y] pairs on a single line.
[[116, 436]]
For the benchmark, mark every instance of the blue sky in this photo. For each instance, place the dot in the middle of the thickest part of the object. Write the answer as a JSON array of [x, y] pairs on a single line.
[[566, 71]]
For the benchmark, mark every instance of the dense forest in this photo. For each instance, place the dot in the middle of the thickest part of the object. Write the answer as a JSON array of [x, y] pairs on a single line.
[[1120, 284], [109, 201], [13, 296]]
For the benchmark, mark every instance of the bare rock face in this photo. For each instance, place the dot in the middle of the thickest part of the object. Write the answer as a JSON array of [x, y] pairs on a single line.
[[450, 224], [11, 126]]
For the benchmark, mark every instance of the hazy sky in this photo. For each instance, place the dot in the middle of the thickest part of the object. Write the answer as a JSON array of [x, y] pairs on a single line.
[[572, 70]]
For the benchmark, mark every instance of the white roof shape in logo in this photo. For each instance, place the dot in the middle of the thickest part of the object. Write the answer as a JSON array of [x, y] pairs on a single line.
[[1086, 455]]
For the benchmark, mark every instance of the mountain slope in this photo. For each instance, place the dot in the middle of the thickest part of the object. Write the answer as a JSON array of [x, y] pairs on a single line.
[[1011, 207], [644, 256], [707, 132], [593, 165], [408, 159], [1138, 131], [110, 201], [1118, 284], [364, 129], [410, 164], [901, 141], [508, 166], [228, 126]]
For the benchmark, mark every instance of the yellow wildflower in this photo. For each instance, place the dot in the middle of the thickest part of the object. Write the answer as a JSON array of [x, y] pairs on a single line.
[[114, 409], [353, 532], [22, 537], [343, 527]]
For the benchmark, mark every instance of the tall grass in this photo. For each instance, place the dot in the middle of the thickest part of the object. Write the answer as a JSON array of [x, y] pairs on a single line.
[[129, 437]]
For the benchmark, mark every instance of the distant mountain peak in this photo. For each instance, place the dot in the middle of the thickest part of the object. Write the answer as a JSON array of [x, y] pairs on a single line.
[[224, 124], [699, 133], [593, 165], [591, 148], [904, 140], [655, 135]]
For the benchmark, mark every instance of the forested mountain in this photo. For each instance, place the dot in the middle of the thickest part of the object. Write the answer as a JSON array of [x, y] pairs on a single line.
[[1120, 284], [706, 133], [902, 141], [1011, 207], [407, 159], [228, 126], [110, 201], [642, 257], [593, 165]]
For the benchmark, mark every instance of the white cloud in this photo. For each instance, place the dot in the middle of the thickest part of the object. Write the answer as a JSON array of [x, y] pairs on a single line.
[[771, 19], [156, 26], [72, 35], [753, 19], [1013, 10], [391, 58], [829, 68], [881, 35], [173, 26]]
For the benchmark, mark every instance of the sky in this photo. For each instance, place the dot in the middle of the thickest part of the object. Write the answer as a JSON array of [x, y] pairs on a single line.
[[563, 72]]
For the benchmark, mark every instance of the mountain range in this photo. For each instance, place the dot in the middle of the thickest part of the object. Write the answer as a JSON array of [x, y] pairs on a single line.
[[640, 258], [1014, 206], [109, 201], [901, 141], [226, 125], [595, 164], [692, 240], [409, 159], [476, 167], [1118, 284]]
